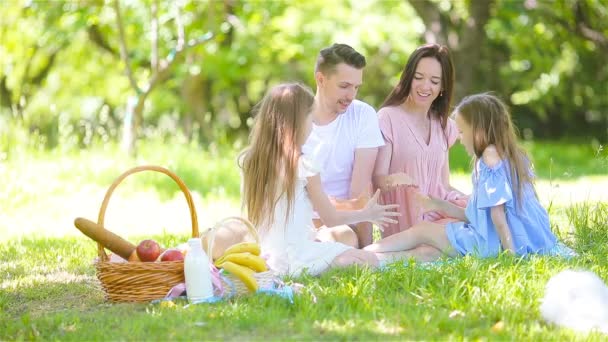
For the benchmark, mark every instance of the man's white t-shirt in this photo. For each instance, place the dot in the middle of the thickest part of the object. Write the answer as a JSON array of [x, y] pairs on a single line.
[[332, 146]]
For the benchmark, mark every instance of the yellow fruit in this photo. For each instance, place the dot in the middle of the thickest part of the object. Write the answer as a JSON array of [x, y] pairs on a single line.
[[245, 274], [254, 262], [243, 247]]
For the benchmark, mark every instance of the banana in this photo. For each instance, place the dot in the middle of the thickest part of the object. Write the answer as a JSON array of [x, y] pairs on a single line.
[[245, 274], [242, 247], [254, 262]]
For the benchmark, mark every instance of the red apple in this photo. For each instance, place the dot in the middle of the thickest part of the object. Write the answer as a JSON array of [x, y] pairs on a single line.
[[172, 255], [148, 250]]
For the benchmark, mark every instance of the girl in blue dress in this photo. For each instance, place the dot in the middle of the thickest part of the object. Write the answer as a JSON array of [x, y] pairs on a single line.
[[503, 212]]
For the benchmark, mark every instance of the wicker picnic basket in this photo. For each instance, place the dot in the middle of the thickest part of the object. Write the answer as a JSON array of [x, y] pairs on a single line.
[[140, 281], [231, 284]]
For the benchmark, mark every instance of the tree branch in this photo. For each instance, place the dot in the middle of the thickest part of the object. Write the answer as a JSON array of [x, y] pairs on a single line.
[[6, 95], [154, 28], [584, 28], [41, 75], [98, 39], [181, 40], [581, 26], [172, 58], [123, 47], [26, 73]]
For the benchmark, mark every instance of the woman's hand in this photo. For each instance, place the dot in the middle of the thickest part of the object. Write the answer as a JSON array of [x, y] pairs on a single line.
[[378, 214]]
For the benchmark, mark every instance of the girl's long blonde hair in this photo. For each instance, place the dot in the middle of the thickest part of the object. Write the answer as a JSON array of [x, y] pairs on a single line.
[[491, 124], [270, 163]]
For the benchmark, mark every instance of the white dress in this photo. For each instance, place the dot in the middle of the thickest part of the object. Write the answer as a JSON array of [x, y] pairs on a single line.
[[290, 246]]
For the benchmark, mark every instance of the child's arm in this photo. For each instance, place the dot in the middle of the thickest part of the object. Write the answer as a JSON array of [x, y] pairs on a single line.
[[350, 204], [381, 179], [372, 212], [502, 227], [446, 208], [492, 158]]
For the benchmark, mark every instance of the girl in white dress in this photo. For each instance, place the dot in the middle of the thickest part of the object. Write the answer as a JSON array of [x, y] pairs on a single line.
[[281, 188]]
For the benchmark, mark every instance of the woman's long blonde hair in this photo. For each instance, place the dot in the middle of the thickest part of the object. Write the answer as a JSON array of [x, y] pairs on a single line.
[[491, 124], [270, 163]]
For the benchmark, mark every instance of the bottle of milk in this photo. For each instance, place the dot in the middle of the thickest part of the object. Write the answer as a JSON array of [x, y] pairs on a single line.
[[197, 273]]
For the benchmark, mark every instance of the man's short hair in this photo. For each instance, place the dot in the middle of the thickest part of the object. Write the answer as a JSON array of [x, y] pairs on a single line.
[[331, 56]]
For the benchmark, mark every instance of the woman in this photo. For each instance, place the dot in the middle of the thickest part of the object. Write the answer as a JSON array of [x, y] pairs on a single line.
[[418, 134]]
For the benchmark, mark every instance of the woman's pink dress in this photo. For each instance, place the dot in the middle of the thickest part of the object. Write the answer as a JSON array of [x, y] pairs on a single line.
[[425, 163]]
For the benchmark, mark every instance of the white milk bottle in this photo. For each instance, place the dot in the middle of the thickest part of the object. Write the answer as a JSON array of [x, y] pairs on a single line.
[[196, 272]]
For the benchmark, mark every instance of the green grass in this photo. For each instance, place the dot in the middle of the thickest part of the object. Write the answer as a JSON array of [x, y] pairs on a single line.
[[554, 160], [48, 288], [50, 292], [55, 173]]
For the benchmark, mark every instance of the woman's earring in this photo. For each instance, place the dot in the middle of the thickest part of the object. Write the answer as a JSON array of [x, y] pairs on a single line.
[[441, 93]]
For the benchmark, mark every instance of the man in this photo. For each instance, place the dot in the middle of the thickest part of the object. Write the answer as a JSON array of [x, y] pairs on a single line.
[[345, 135]]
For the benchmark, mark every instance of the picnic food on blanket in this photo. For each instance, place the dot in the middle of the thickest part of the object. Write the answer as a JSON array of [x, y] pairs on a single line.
[[243, 261], [245, 274], [133, 257], [172, 254], [243, 247], [135, 281], [197, 272], [105, 237], [229, 233], [247, 259], [243, 270], [148, 250]]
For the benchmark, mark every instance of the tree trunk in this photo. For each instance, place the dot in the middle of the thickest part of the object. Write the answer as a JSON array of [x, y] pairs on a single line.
[[128, 126]]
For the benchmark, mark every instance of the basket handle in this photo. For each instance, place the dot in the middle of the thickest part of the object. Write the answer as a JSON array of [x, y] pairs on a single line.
[[180, 183], [211, 232]]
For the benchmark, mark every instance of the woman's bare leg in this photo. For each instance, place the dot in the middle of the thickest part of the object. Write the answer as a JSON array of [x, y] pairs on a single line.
[[421, 233], [343, 234]]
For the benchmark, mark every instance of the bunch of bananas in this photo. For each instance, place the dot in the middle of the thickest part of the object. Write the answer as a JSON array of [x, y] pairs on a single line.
[[243, 261]]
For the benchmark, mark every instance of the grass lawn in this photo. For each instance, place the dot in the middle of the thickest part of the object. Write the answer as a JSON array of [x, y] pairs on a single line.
[[48, 289]]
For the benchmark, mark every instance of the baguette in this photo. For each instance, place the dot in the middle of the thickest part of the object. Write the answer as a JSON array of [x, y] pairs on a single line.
[[105, 237]]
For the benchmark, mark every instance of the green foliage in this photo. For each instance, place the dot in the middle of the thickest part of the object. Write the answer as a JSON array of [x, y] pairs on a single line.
[[63, 81], [554, 75]]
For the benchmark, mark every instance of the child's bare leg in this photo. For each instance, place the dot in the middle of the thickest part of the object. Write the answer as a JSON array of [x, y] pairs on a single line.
[[422, 233], [343, 234], [423, 253], [355, 257]]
